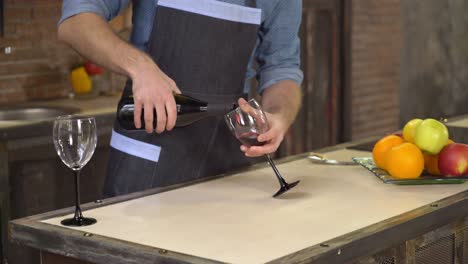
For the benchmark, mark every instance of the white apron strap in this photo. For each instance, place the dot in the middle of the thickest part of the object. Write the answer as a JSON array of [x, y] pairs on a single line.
[[134, 147], [217, 9]]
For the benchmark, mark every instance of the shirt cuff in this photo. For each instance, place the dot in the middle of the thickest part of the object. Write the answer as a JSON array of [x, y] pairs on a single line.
[[273, 76], [72, 8]]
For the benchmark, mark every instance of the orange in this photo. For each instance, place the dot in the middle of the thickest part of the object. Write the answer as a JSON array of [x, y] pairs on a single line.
[[431, 163], [405, 161], [382, 146]]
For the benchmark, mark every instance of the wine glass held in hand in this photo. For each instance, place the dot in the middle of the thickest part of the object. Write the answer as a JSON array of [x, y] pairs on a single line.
[[75, 139], [247, 122]]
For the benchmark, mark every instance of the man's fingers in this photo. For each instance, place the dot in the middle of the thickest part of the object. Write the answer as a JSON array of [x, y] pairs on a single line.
[[137, 114], [148, 112], [161, 119], [244, 148], [171, 110], [172, 84], [271, 142], [255, 151], [175, 88], [244, 106], [267, 136], [241, 101], [258, 151]]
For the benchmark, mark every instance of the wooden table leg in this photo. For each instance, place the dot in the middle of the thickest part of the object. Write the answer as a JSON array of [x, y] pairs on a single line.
[[51, 258]]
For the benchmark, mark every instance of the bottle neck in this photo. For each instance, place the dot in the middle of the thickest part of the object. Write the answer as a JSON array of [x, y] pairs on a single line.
[[220, 108]]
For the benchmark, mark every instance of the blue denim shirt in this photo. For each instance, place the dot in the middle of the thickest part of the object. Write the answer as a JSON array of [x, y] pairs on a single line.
[[277, 52]]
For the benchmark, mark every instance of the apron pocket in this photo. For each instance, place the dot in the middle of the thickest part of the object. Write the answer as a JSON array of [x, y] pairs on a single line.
[[132, 165], [136, 174]]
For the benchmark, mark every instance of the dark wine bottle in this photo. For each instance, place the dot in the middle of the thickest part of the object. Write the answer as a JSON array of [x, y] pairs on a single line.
[[189, 110]]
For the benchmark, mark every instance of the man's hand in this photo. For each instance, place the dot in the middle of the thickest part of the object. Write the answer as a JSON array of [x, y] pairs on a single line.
[[281, 103], [272, 138], [153, 89]]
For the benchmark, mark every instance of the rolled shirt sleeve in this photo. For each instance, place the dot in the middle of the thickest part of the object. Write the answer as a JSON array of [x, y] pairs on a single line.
[[278, 53], [106, 9]]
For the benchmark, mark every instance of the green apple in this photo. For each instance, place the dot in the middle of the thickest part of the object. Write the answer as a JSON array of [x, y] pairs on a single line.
[[431, 136], [409, 130]]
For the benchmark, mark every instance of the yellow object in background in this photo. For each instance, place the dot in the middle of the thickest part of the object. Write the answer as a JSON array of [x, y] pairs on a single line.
[[80, 80]]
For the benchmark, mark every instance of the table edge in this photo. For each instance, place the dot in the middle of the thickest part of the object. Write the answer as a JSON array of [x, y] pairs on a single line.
[[73, 243]]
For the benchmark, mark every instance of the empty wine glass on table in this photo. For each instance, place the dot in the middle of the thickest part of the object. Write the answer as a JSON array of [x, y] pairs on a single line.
[[75, 139], [247, 122]]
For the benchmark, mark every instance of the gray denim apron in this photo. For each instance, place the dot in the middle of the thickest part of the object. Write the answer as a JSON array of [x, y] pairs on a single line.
[[205, 46]]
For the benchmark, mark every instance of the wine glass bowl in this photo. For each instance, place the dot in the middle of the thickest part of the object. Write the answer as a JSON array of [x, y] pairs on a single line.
[[75, 139], [247, 122]]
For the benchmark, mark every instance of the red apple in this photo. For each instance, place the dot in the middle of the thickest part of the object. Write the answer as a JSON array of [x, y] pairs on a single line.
[[453, 160], [93, 69], [399, 134]]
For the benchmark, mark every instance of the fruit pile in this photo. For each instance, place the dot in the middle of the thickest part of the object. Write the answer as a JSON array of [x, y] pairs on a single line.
[[424, 144]]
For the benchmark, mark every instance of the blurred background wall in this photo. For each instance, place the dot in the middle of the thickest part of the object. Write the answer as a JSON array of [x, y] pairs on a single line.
[[397, 60], [434, 62], [369, 65]]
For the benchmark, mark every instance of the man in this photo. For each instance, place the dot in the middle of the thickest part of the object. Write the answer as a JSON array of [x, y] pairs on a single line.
[[203, 48]]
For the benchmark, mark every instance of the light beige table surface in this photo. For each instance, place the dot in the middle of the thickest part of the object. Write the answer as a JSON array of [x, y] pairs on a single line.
[[235, 219]]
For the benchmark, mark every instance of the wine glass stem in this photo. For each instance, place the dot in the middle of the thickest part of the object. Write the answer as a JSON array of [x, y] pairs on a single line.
[[78, 214], [277, 173]]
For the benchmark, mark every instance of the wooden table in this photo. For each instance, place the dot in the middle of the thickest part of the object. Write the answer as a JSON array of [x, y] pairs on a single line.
[[336, 214]]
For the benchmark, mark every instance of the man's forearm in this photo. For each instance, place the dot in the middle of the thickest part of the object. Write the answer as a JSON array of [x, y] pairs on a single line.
[[284, 99], [152, 89], [92, 37]]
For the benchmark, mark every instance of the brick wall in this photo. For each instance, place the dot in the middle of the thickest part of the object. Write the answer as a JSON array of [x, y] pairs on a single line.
[[376, 39], [38, 65]]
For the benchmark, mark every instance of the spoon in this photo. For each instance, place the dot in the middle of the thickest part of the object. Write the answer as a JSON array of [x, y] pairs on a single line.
[[318, 158]]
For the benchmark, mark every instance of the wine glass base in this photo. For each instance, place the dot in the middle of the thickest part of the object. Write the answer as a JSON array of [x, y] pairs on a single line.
[[285, 188], [83, 221]]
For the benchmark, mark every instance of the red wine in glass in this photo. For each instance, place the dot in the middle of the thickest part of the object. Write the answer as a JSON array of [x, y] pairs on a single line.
[[250, 139]]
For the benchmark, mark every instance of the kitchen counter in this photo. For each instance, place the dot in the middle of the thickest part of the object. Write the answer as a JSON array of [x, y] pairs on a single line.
[[459, 122], [103, 108], [337, 214], [458, 128]]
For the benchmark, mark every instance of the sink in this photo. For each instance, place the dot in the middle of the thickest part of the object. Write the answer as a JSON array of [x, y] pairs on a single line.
[[32, 113]]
